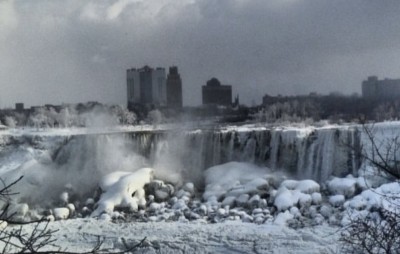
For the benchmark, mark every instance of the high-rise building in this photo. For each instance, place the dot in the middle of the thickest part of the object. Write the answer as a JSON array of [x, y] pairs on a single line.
[[373, 88], [146, 86], [19, 106], [216, 94], [174, 88]]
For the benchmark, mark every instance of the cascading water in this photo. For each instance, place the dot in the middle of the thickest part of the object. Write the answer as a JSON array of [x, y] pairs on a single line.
[[314, 153]]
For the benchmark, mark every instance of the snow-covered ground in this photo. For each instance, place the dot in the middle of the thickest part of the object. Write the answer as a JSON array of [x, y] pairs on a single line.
[[196, 237]]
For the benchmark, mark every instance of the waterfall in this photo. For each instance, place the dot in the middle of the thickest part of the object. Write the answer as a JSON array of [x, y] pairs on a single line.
[[311, 152], [314, 153]]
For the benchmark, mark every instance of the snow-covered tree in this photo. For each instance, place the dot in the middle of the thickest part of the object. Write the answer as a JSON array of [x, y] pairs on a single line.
[[39, 118], [125, 116], [10, 121], [155, 117]]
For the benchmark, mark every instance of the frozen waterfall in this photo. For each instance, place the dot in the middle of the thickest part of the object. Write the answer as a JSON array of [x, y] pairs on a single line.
[[306, 153]]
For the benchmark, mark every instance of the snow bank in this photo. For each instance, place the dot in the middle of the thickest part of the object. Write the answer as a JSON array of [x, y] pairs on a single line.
[[337, 200], [304, 186], [254, 189], [234, 179], [386, 196], [292, 192], [283, 218], [123, 190], [61, 213], [286, 198], [367, 202], [343, 186], [81, 235]]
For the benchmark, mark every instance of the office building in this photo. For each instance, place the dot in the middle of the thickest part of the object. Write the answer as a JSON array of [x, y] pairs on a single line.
[[174, 88], [372, 88], [214, 93], [146, 86]]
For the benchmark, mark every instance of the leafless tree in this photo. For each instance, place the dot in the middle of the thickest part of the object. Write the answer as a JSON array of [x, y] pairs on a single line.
[[379, 231], [383, 153]]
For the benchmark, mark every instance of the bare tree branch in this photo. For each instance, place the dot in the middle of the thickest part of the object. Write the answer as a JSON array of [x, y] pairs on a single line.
[[379, 231]]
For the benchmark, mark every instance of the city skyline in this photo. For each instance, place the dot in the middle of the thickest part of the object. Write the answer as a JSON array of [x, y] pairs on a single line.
[[74, 51], [148, 86]]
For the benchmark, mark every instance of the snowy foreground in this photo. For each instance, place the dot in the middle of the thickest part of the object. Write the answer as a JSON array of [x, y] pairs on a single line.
[[256, 212], [242, 207], [195, 237]]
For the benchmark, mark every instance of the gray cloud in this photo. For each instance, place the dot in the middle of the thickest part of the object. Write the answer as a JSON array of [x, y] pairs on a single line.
[[74, 50]]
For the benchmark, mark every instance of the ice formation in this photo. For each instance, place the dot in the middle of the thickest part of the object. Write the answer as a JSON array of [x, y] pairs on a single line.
[[123, 190]]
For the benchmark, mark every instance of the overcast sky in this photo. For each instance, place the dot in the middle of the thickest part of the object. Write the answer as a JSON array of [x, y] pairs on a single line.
[[62, 51]]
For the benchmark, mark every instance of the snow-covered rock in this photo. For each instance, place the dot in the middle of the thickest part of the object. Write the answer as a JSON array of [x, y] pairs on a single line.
[[283, 218], [235, 178], [182, 193], [358, 203], [308, 186], [202, 210], [123, 189], [89, 202], [61, 213], [259, 219], [295, 212], [242, 200], [349, 217], [230, 201], [50, 218], [305, 200], [154, 207], [385, 196], [159, 190], [343, 186], [263, 203], [290, 184], [304, 186], [286, 198], [71, 208], [316, 198], [337, 200], [180, 205], [3, 224], [222, 212], [189, 187], [254, 201], [64, 197], [105, 217], [318, 219], [257, 211], [17, 210], [326, 211], [246, 217]]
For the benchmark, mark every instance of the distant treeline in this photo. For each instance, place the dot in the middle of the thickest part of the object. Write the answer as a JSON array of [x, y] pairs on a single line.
[[67, 115], [332, 107], [275, 109]]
